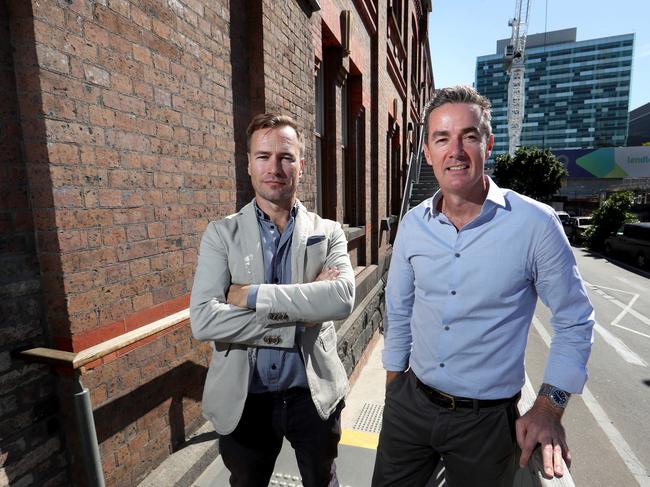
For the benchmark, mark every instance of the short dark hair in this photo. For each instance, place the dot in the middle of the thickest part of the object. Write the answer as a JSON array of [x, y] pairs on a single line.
[[273, 121], [459, 94]]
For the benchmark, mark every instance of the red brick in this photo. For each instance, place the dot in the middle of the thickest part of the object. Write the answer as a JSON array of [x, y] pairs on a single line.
[[97, 75], [123, 103], [72, 240], [63, 153], [128, 141], [113, 236], [139, 267], [110, 198], [82, 218], [135, 250], [74, 132], [67, 197], [52, 59], [122, 84]]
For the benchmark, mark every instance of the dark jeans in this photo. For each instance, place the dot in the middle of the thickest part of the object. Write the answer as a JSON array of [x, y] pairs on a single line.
[[477, 446], [250, 451]]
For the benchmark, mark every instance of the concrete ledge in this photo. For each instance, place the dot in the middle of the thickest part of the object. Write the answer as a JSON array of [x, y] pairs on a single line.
[[185, 465], [357, 330]]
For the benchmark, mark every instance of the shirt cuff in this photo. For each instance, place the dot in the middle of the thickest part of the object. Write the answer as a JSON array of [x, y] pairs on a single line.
[[251, 299], [394, 361]]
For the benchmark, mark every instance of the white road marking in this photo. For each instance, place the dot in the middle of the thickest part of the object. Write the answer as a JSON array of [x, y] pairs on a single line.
[[642, 318], [622, 447], [633, 284], [625, 310], [608, 288], [621, 348], [631, 330]]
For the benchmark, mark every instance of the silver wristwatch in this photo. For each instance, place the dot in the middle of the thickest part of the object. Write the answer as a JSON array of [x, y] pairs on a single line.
[[558, 397]]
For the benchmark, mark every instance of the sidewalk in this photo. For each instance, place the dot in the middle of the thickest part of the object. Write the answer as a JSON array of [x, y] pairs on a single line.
[[195, 464]]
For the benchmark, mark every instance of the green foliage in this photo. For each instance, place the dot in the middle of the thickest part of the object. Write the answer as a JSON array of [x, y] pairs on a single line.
[[608, 218], [531, 171]]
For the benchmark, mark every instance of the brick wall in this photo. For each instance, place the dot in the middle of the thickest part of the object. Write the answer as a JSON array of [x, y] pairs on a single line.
[[137, 113], [289, 76], [126, 118], [31, 450], [131, 116]]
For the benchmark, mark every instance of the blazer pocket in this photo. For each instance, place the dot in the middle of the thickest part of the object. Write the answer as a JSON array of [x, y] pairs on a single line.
[[327, 338], [314, 239]]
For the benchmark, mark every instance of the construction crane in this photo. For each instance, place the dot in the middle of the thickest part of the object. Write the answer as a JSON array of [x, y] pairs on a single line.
[[514, 66]]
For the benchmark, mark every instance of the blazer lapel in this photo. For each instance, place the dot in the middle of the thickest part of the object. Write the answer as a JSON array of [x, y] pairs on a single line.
[[251, 249], [301, 230]]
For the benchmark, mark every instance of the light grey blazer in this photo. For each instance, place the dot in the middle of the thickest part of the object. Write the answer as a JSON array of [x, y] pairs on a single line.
[[231, 252]]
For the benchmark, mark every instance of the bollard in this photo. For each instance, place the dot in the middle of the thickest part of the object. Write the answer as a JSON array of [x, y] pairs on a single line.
[[88, 436]]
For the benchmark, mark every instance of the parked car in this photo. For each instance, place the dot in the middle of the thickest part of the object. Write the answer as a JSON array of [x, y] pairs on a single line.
[[576, 227], [631, 242], [563, 216]]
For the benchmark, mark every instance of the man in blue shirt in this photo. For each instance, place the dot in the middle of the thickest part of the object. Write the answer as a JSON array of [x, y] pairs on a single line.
[[468, 266], [269, 281]]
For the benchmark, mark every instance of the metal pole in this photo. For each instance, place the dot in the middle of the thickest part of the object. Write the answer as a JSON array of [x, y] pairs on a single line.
[[86, 426]]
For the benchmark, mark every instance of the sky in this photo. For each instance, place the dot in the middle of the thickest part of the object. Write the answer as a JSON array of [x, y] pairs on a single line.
[[462, 30]]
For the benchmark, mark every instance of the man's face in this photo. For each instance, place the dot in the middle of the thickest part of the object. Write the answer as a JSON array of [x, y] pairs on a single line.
[[457, 148], [275, 165]]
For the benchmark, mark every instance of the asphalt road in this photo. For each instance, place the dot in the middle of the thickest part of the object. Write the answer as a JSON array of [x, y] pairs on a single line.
[[608, 426]]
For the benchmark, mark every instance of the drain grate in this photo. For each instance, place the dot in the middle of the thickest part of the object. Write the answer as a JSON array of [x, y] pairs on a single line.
[[285, 480], [370, 418]]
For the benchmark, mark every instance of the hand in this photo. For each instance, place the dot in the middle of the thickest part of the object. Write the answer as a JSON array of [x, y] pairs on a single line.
[[328, 274], [392, 375], [238, 295], [541, 424]]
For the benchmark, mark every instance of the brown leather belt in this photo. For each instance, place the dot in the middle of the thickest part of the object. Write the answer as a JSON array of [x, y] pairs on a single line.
[[450, 402]]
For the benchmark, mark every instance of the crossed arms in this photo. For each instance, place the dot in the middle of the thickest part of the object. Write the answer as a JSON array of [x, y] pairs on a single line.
[[279, 306]]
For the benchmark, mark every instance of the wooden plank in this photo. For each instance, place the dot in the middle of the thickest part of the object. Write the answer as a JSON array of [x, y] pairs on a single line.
[[102, 349], [79, 359], [49, 356]]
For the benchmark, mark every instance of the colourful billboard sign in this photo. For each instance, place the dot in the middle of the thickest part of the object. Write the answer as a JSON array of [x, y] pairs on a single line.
[[606, 162]]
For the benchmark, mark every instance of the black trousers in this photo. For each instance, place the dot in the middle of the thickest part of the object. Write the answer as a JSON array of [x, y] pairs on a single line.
[[250, 451], [477, 446]]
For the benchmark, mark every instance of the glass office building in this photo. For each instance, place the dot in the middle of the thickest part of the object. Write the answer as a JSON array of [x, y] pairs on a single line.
[[576, 93]]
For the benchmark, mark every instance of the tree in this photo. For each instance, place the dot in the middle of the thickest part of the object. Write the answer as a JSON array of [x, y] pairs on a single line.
[[608, 218], [534, 172]]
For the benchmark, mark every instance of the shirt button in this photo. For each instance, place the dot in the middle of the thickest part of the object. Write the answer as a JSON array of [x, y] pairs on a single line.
[[442, 365], [274, 366], [453, 293], [446, 328], [456, 254]]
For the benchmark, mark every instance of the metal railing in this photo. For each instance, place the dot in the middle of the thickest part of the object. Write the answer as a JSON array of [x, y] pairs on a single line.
[[81, 396], [413, 172]]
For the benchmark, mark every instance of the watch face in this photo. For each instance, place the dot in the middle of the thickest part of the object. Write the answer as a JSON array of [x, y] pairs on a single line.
[[559, 397]]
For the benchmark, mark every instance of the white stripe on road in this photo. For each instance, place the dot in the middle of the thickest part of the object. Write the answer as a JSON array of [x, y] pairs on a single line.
[[636, 314], [622, 448], [619, 347], [631, 330], [625, 310]]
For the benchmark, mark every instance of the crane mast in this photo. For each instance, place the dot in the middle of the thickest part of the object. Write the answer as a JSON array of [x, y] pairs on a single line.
[[514, 66]]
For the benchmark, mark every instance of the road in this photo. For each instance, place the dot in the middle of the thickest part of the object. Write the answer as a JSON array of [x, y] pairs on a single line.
[[608, 426]]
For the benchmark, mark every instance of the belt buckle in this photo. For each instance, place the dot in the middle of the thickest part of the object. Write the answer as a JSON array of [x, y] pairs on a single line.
[[452, 407]]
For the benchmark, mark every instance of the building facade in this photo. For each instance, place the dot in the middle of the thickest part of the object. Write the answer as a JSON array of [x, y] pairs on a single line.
[[639, 127], [576, 92], [123, 134]]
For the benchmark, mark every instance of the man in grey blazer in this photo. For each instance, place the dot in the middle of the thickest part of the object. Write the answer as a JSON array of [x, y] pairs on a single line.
[[269, 280]]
